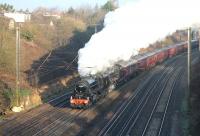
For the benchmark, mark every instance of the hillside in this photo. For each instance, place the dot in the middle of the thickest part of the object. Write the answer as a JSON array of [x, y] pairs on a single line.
[[49, 44]]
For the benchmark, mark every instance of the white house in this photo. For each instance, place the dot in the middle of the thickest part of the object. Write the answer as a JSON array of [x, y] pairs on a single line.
[[18, 17]]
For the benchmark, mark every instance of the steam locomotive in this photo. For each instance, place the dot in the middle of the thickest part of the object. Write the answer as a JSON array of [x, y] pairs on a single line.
[[92, 88]]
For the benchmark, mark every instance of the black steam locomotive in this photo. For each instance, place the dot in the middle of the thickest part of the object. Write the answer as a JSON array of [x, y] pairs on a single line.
[[91, 88]]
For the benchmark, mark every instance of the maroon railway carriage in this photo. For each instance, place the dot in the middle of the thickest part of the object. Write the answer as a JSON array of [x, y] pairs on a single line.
[[142, 64], [161, 56], [127, 70], [151, 61], [130, 70], [172, 51]]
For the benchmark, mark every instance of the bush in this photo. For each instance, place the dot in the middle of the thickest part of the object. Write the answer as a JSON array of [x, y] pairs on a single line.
[[11, 96], [27, 35]]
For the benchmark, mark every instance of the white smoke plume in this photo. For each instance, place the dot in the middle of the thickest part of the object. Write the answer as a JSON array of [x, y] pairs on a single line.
[[135, 26]]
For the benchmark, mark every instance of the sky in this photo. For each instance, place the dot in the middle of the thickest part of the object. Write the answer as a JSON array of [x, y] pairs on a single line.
[[62, 4]]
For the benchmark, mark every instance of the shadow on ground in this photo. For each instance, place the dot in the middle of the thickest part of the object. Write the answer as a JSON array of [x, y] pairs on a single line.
[[59, 64]]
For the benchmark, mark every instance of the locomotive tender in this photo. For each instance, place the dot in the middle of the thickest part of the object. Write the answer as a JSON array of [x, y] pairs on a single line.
[[91, 88]]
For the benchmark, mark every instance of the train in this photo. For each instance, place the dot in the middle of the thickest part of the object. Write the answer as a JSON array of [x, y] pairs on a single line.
[[92, 88]]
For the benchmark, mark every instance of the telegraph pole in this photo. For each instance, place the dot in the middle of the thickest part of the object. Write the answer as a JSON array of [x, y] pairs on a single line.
[[19, 18], [189, 57], [17, 63]]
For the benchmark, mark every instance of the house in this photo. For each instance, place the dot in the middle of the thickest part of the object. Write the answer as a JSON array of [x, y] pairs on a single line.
[[18, 17]]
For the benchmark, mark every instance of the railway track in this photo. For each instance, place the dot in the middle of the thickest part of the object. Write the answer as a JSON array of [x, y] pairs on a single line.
[[39, 110], [143, 92], [153, 117], [145, 112], [131, 120], [56, 128], [27, 120], [54, 121], [164, 99]]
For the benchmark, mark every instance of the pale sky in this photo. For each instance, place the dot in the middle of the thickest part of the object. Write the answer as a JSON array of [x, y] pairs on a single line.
[[62, 4]]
